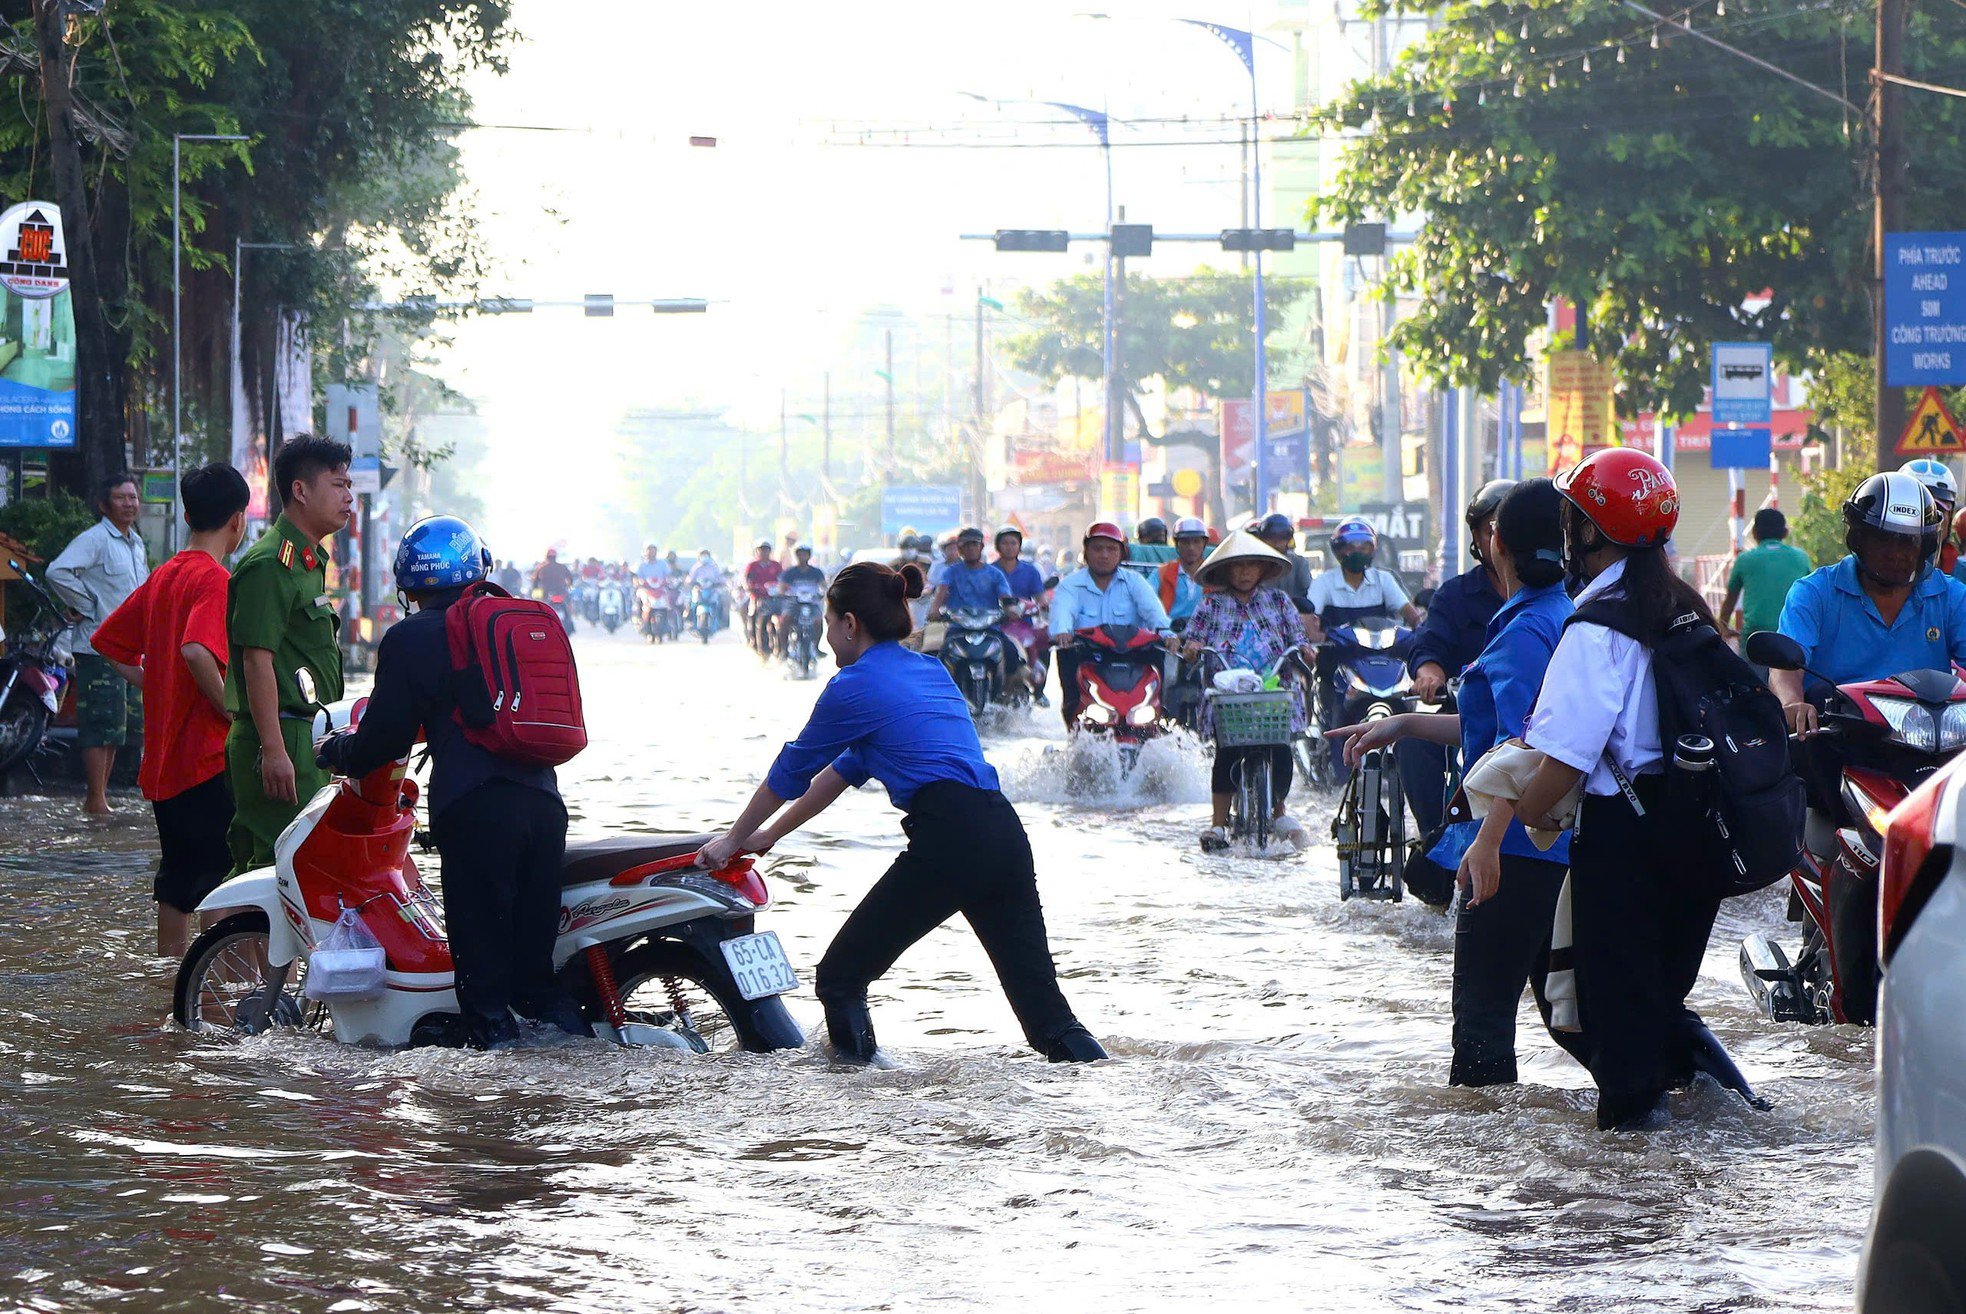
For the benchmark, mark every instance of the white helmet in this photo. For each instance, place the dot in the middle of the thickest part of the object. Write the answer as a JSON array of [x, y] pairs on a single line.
[[1937, 478]]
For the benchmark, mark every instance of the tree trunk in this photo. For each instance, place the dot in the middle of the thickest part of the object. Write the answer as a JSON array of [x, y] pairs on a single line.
[[100, 448]]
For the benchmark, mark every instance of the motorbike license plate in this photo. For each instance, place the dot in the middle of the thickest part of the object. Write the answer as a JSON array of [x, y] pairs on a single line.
[[760, 965]]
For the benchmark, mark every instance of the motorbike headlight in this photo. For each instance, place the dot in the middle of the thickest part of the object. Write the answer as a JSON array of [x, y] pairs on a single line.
[[1144, 714], [1952, 728], [1098, 713], [1357, 682], [1912, 723]]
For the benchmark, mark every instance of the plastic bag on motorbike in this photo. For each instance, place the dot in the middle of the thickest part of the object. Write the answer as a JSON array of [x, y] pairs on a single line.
[[348, 963]]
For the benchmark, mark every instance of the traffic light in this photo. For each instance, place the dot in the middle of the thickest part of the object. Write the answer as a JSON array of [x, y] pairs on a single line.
[[1033, 239], [1132, 240], [1365, 239], [1259, 239], [600, 305]]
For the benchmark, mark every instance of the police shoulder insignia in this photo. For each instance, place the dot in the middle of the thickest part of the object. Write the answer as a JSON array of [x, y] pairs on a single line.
[[287, 553]]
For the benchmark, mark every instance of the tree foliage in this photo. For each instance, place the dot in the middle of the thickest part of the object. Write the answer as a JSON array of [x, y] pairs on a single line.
[[1186, 332], [1556, 149]]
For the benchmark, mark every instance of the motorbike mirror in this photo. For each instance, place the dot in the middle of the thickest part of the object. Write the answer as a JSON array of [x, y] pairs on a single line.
[[1774, 650], [1051, 581], [304, 679]]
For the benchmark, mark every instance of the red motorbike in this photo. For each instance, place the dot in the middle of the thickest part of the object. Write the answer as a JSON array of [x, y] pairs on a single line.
[[1879, 740], [1119, 684]]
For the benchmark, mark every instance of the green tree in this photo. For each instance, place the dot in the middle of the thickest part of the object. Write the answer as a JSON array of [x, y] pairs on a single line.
[[1579, 150], [1188, 332]]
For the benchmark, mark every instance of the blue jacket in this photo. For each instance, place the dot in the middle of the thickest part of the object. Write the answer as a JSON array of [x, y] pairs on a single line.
[[1498, 691], [1456, 626]]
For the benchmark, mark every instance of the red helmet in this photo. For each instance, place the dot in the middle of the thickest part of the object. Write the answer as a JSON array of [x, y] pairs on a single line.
[[1626, 493], [1105, 529]]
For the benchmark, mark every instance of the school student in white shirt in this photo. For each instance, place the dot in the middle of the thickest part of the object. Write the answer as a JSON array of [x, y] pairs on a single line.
[[1639, 926]]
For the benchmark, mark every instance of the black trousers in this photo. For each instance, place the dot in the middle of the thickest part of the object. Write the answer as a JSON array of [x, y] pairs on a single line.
[[502, 845], [1222, 776], [1639, 935], [1498, 946], [1067, 661], [1423, 776], [967, 853]]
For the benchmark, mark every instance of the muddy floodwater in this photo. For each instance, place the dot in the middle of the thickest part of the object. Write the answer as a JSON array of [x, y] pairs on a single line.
[[1273, 1132]]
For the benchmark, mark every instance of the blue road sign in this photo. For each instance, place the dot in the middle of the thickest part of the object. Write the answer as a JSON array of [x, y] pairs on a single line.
[[1742, 449], [1743, 383], [926, 508], [1924, 309]]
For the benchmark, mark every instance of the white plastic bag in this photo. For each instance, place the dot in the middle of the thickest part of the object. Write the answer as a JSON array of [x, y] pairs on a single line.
[[1238, 682], [349, 963]]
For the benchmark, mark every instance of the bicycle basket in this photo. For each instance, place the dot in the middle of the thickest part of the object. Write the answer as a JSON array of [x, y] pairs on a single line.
[[1250, 720]]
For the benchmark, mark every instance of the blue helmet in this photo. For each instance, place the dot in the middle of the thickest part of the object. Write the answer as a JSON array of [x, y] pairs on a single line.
[[440, 552]]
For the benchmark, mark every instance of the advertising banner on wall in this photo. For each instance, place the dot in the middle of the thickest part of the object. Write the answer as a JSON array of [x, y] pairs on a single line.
[[37, 330], [1581, 415], [1287, 462]]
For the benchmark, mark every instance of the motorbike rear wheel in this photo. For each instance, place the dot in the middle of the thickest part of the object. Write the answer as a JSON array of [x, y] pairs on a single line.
[[665, 984], [22, 725], [221, 985]]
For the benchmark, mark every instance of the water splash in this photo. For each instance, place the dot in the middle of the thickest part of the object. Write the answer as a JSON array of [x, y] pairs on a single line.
[[1092, 771]]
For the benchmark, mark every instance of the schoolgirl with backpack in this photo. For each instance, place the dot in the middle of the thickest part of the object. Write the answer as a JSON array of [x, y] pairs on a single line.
[[488, 681], [1688, 795]]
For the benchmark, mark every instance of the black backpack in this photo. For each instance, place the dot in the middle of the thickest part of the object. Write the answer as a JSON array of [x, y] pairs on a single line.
[[1741, 818]]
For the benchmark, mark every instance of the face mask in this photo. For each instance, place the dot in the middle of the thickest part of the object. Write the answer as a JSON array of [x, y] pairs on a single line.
[[1355, 562]]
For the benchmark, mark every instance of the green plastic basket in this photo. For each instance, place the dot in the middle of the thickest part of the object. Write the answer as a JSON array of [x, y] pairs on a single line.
[[1252, 720]]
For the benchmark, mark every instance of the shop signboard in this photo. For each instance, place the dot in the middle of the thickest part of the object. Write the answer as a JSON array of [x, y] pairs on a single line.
[[37, 330]]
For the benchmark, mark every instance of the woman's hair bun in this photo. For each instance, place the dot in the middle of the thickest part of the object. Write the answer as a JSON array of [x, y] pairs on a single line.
[[913, 582]]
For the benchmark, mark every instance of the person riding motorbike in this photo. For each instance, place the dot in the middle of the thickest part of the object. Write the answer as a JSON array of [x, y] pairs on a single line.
[[1278, 533], [1937, 478], [1351, 591], [652, 567], [1027, 586], [760, 578], [1098, 593], [1150, 542], [1453, 634], [552, 578], [500, 825], [1180, 579], [802, 571], [706, 574], [972, 584]]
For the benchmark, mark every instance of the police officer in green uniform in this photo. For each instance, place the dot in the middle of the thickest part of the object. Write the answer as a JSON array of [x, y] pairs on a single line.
[[279, 623]]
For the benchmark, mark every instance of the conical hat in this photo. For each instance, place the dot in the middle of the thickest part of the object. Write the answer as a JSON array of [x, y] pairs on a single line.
[[1242, 546]]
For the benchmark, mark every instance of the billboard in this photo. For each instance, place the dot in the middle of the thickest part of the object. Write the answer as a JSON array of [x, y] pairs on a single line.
[[37, 330], [1581, 416], [925, 508]]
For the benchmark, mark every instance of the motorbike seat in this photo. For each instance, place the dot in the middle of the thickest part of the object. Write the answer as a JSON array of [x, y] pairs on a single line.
[[604, 859]]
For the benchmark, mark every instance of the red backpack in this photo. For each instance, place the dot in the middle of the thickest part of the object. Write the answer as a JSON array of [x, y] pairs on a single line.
[[518, 694]]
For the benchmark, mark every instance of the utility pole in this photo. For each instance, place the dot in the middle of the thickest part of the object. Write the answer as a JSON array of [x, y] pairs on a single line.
[[99, 434], [978, 487], [826, 428], [1889, 215], [1392, 453], [1115, 446], [890, 402]]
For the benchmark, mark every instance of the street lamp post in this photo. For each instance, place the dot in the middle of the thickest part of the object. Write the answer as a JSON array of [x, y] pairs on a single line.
[[177, 312]]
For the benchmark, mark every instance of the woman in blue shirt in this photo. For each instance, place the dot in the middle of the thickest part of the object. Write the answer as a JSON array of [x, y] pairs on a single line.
[[1502, 934], [895, 716]]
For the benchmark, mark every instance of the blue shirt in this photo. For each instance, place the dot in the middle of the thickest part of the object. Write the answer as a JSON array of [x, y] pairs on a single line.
[[1187, 596], [1498, 691], [894, 716], [1128, 599], [1844, 638], [974, 588], [1026, 580]]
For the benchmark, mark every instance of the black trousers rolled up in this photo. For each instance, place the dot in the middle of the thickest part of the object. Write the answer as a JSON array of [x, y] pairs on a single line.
[[967, 853], [1640, 931], [1498, 947], [502, 845], [1067, 661]]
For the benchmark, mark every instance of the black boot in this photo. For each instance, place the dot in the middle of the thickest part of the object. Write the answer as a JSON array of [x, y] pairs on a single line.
[[556, 1010], [851, 1029], [1074, 1046], [1706, 1054]]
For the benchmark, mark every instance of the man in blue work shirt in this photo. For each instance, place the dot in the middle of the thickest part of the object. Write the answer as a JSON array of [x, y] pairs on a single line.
[[1882, 609], [1098, 593], [973, 585]]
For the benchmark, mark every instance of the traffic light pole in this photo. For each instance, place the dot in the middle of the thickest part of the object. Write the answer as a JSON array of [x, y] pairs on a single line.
[[1888, 216]]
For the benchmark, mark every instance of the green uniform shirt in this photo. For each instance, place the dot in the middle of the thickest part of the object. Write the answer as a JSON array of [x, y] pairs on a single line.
[[278, 600], [1763, 575]]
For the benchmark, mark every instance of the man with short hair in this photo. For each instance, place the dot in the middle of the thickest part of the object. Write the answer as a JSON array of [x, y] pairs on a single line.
[[95, 574], [1760, 580], [169, 638], [1098, 593], [280, 625]]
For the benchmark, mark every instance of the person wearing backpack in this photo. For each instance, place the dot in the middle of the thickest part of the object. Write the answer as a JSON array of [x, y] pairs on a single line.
[[1647, 871], [497, 818]]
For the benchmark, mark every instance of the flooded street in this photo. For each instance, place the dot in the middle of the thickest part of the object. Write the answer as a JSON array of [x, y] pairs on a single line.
[[1273, 1133]]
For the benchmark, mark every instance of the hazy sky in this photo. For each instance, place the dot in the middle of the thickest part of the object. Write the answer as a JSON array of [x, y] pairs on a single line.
[[788, 228]]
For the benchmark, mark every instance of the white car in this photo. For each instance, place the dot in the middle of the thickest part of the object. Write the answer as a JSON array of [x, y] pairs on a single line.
[[1915, 1257]]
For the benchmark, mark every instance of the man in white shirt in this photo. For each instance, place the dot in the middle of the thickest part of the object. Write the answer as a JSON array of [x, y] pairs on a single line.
[[1355, 588], [102, 566], [1099, 593]]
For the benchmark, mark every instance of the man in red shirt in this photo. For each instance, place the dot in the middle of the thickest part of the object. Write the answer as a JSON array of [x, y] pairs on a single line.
[[169, 640], [761, 581]]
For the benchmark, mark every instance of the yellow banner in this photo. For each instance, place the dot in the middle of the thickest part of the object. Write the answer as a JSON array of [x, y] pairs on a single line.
[[1582, 416]]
